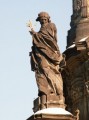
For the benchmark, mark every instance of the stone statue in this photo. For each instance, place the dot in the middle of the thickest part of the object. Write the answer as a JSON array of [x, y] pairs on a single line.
[[46, 58]]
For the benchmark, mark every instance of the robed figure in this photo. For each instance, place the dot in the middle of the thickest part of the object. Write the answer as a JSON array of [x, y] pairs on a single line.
[[46, 58]]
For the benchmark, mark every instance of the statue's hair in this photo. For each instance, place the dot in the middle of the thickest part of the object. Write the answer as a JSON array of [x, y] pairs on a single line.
[[43, 14]]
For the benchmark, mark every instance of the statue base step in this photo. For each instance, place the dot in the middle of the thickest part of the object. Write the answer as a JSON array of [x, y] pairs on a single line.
[[48, 101], [52, 114]]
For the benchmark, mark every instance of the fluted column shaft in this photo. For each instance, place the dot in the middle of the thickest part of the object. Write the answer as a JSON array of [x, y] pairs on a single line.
[[81, 8]]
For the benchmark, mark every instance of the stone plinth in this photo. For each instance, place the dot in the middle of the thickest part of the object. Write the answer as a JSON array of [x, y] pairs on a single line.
[[52, 114], [48, 101]]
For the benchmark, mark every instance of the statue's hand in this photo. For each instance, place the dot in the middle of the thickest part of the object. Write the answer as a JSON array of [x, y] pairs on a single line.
[[29, 24]]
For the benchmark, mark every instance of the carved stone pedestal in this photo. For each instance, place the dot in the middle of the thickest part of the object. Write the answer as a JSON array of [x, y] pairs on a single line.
[[48, 101], [52, 114]]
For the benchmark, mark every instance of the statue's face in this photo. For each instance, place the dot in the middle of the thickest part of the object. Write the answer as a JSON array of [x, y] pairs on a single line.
[[43, 20]]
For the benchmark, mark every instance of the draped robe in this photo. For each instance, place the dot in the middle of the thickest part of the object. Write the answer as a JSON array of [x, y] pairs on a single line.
[[45, 60]]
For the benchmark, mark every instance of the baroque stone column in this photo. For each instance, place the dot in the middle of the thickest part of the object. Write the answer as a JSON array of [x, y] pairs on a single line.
[[79, 21], [76, 72], [76, 82], [80, 7]]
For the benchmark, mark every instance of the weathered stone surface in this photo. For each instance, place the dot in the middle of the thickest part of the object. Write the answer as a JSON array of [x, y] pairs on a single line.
[[52, 114], [76, 74], [76, 79], [79, 21], [46, 62], [51, 117], [48, 101]]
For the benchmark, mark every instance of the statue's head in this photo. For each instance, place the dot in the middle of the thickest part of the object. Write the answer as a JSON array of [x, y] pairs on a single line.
[[43, 15]]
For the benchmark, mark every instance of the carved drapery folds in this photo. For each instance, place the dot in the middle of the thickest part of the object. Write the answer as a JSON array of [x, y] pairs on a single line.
[[47, 62]]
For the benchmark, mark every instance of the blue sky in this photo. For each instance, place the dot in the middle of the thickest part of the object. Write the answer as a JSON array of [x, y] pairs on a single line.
[[18, 87]]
